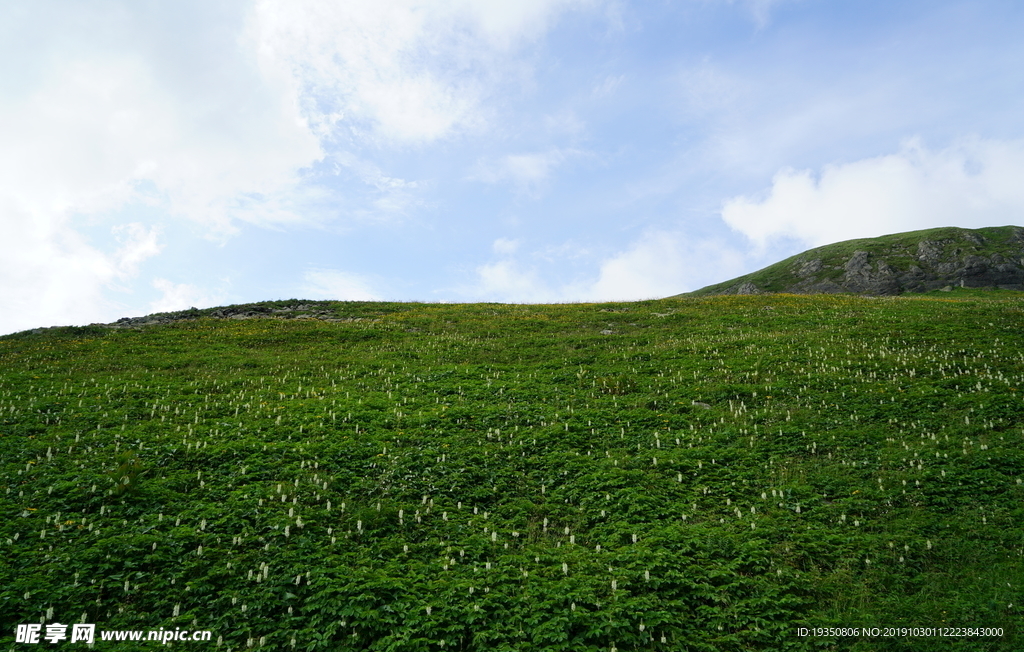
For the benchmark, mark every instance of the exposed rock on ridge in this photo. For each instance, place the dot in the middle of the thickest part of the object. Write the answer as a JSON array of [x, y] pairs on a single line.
[[308, 310], [917, 261], [287, 309]]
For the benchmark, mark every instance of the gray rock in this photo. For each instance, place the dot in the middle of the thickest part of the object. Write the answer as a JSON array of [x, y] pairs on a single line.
[[948, 257], [929, 251], [974, 238], [860, 278], [810, 267]]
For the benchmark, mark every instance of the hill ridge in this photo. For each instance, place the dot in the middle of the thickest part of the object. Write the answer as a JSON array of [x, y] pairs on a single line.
[[286, 309], [899, 263]]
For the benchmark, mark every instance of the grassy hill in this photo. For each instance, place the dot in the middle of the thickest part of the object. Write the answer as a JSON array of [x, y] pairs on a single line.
[[915, 262], [684, 474]]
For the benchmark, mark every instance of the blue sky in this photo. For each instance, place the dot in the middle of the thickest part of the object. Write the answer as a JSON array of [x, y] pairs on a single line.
[[157, 156]]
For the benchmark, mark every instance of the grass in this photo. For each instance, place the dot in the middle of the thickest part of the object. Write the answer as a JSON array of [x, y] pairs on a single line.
[[713, 474]]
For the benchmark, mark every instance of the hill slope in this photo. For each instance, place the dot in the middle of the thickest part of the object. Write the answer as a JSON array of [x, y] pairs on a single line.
[[692, 474], [916, 261]]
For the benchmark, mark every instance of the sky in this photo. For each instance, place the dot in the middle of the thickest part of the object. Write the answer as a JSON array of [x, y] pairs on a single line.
[[156, 156]]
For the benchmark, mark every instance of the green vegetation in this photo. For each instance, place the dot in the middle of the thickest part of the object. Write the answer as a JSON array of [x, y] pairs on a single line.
[[711, 474]]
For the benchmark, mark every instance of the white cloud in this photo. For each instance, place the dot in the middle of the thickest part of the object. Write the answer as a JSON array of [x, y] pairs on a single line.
[[509, 279], [760, 10], [608, 86], [565, 122], [96, 124], [137, 244], [707, 90], [396, 70], [505, 246], [120, 113], [661, 264], [505, 280], [380, 198], [53, 276], [972, 184], [658, 264], [182, 296], [526, 172], [337, 285], [213, 114], [49, 276]]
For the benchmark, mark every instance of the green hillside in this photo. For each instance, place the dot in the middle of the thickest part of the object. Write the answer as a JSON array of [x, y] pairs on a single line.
[[685, 474], [914, 261]]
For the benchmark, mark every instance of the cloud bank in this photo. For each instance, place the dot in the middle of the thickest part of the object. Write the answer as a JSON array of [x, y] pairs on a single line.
[[656, 265], [972, 184], [397, 71], [212, 114]]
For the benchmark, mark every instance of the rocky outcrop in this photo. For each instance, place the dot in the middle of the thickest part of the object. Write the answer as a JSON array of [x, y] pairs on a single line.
[[291, 309], [246, 311], [891, 265]]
